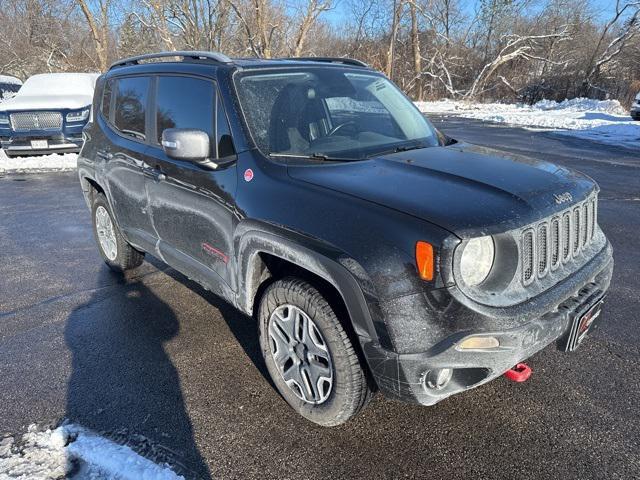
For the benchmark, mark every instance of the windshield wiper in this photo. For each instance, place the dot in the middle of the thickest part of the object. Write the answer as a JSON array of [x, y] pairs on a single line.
[[313, 156], [399, 148]]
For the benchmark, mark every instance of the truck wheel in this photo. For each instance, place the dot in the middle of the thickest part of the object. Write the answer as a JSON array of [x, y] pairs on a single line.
[[115, 251], [309, 355]]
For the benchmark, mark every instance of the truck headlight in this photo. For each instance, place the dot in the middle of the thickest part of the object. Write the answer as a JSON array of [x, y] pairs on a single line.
[[476, 260], [4, 119], [79, 116]]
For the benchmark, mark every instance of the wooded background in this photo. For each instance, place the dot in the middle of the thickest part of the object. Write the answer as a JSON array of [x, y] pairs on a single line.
[[509, 50]]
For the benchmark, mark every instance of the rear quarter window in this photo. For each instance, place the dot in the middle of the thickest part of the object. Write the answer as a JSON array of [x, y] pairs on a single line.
[[131, 106]]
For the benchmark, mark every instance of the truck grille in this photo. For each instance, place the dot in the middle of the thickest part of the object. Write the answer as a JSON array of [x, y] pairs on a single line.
[[24, 121], [558, 240]]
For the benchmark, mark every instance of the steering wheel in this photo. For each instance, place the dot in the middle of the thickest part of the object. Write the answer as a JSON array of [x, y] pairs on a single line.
[[337, 128]]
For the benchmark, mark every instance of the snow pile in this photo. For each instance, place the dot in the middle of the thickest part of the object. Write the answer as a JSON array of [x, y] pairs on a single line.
[[73, 452], [43, 163], [603, 121]]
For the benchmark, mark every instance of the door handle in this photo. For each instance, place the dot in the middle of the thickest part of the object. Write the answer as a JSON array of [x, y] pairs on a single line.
[[104, 155]]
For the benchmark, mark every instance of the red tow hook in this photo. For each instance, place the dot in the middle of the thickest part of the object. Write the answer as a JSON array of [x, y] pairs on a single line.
[[520, 373]]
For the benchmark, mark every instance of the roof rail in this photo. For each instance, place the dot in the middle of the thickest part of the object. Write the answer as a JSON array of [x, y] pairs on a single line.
[[195, 55], [346, 61]]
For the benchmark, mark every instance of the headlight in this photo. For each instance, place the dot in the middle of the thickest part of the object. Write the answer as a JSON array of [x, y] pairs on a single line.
[[476, 260], [4, 119], [78, 116]]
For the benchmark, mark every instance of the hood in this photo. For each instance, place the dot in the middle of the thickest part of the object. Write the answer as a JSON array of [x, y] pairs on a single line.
[[46, 102], [466, 189]]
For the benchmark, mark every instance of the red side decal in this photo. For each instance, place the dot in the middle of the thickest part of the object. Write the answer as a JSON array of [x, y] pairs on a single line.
[[211, 250]]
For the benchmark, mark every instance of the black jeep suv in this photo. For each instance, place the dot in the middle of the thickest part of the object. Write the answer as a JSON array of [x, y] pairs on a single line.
[[373, 251]]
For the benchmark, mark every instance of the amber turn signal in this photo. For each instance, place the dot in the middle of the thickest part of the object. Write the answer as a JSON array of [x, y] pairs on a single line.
[[424, 260]]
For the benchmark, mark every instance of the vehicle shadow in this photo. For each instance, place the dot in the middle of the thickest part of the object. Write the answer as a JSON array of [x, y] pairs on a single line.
[[244, 329], [123, 384]]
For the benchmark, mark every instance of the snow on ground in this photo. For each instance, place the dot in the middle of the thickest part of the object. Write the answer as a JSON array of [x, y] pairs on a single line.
[[41, 163], [603, 121], [73, 452]]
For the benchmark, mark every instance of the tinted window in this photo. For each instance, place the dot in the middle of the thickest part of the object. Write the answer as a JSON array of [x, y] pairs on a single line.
[[224, 141], [131, 105], [106, 99], [185, 102]]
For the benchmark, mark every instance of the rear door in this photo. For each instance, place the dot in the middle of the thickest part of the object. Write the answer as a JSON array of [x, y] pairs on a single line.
[[193, 209], [125, 107]]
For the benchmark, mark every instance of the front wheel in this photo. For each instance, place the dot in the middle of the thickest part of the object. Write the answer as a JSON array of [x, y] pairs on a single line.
[[114, 249], [309, 354]]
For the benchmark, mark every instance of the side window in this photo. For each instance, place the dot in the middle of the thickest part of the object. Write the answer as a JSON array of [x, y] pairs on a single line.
[[106, 99], [224, 142], [131, 106], [185, 102]]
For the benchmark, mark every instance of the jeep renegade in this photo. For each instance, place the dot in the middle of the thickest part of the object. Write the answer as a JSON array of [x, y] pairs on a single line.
[[374, 252]]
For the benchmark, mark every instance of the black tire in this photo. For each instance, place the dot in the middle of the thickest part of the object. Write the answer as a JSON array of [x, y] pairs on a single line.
[[126, 257], [350, 391]]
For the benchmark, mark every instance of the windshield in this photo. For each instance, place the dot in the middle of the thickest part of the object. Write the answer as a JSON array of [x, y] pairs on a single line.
[[330, 112]]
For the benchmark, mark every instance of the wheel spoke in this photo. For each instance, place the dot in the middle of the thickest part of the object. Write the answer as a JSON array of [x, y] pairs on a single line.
[[293, 377], [281, 342]]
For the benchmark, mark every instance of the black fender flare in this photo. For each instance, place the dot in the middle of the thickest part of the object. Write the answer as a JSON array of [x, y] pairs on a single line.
[[317, 257]]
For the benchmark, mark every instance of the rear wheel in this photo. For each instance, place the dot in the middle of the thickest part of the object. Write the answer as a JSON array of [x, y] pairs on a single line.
[[309, 354], [114, 249]]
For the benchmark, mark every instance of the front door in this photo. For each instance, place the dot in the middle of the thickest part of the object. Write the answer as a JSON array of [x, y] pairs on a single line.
[[193, 209]]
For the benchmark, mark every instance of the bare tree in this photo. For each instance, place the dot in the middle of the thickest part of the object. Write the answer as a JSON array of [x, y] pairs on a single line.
[[314, 9], [98, 21], [516, 47], [629, 29], [396, 12]]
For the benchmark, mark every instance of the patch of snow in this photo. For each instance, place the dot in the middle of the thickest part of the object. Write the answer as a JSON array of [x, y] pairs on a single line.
[[54, 90], [603, 121], [71, 451], [42, 163], [10, 80]]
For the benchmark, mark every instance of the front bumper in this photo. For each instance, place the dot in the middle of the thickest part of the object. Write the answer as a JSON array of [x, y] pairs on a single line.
[[65, 139], [401, 375], [58, 143]]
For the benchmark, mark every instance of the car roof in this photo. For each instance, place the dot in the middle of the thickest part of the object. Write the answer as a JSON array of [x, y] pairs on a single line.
[[221, 60]]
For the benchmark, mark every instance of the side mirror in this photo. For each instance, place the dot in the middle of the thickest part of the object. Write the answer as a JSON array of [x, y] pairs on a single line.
[[189, 145]]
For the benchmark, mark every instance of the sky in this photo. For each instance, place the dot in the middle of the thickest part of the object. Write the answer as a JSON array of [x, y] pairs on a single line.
[[336, 16]]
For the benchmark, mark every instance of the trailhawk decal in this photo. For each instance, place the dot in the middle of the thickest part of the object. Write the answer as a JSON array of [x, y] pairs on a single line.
[[214, 252]]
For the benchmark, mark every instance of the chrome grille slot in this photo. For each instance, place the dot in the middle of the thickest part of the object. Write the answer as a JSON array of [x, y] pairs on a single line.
[[543, 249], [592, 217], [566, 237], [555, 242], [24, 121], [527, 257], [584, 233], [558, 240], [576, 230]]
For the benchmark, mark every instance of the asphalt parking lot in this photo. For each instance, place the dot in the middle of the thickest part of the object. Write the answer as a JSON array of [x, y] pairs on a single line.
[[156, 362]]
